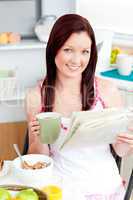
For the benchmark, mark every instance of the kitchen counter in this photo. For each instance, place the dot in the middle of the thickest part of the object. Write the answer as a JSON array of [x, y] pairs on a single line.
[[121, 84]]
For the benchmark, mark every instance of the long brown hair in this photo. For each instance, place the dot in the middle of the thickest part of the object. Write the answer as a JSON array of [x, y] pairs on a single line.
[[61, 31]]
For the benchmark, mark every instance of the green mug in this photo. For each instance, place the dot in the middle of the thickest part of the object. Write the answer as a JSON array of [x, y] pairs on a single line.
[[50, 125]]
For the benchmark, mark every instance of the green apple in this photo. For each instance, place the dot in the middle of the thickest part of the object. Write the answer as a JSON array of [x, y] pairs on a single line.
[[27, 194], [4, 194]]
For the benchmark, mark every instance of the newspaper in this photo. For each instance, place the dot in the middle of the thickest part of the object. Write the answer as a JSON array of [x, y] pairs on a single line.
[[97, 127]]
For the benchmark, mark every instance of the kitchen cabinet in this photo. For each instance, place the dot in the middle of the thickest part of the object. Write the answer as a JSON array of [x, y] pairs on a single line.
[[11, 133], [29, 58]]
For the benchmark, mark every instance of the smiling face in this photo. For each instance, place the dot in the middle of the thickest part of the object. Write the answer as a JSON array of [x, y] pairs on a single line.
[[73, 57]]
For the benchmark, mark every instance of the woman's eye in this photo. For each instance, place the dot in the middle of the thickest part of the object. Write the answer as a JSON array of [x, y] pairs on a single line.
[[68, 50], [86, 52]]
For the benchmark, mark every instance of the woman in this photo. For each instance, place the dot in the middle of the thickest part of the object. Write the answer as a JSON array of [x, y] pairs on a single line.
[[71, 85]]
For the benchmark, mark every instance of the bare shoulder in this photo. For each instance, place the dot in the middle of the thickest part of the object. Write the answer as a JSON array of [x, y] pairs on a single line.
[[33, 93], [109, 92], [33, 101], [105, 84]]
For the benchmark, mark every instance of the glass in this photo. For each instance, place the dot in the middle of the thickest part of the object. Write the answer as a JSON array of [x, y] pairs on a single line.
[[53, 189], [53, 192], [124, 64]]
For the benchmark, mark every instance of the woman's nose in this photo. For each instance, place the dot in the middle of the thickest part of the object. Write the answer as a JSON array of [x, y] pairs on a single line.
[[76, 59]]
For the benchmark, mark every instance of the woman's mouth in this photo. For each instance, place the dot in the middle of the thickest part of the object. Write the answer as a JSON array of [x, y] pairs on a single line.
[[73, 68]]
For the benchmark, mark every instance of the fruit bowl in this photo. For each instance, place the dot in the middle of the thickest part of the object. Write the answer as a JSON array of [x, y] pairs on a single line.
[[15, 189]]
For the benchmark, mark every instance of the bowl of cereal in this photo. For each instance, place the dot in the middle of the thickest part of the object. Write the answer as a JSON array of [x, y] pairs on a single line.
[[4, 167], [35, 170]]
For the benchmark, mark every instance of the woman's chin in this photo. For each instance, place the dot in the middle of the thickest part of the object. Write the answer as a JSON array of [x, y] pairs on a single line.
[[73, 74]]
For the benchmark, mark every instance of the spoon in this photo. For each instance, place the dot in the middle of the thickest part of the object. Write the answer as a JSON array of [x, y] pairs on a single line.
[[20, 156], [18, 153]]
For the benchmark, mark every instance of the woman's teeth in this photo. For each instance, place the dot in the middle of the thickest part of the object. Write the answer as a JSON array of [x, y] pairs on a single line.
[[73, 67]]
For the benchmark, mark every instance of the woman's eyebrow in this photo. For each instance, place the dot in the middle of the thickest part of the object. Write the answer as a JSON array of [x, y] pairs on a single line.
[[87, 48], [70, 46], [67, 45]]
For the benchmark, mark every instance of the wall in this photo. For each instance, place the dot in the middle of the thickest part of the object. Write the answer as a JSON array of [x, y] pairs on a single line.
[[58, 7], [112, 14]]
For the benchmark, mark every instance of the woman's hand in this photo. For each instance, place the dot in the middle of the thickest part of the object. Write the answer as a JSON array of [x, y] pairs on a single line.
[[34, 127], [35, 145], [124, 144]]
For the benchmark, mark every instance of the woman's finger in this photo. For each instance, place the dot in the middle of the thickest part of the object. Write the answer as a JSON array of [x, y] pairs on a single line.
[[124, 140], [119, 141], [125, 135], [34, 123], [130, 128], [36, 133], [35, 128]]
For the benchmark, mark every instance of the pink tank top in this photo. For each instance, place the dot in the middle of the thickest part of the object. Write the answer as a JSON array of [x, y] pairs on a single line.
[[99, 102]]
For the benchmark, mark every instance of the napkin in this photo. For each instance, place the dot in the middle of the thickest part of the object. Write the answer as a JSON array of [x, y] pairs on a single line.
[[96, 127]]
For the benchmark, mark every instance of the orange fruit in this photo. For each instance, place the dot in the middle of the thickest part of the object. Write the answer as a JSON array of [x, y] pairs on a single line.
[[14, 37], [53, 192], [3, 38]]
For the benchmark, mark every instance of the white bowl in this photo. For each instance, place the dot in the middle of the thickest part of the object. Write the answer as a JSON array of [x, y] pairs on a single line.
[[5, 168], [33, 177]]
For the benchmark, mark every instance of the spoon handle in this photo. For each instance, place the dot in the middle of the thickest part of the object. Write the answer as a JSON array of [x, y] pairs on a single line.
[[17, 151]]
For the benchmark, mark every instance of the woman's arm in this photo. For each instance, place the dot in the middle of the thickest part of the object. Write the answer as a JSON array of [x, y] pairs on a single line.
[[124, 144], [33, 107], [112, 98]]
